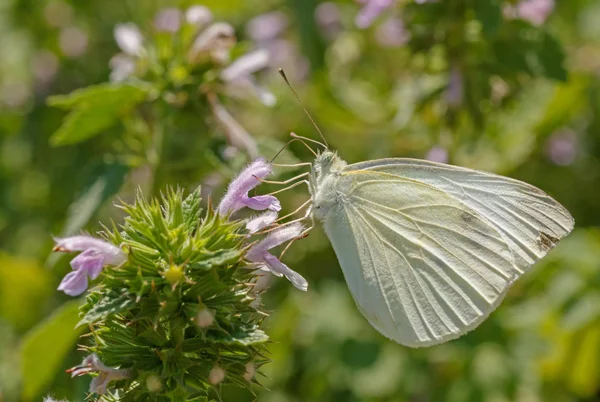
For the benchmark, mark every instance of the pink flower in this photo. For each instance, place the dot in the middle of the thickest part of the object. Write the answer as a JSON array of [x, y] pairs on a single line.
[[259, 254], [95, 255], [92, 364], [562, 147], [261, 221], [371, 10], [392, 33], [168, 20], [129, 38], [535, 12], [437, 154], [267, 26], [198, 16], [238, 76], [237, 197]]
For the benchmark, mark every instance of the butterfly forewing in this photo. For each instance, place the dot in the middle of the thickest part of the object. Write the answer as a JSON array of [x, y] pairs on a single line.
[[530, 221]]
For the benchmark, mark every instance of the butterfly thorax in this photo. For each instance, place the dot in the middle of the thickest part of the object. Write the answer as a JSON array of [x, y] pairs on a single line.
[[327, 169]]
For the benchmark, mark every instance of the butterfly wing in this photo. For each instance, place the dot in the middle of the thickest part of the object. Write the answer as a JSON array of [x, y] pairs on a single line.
[[530, 221], [423, 266]]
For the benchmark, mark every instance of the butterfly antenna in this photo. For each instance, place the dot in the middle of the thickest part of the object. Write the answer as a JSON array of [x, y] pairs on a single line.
[[282, 73], [292, 140]]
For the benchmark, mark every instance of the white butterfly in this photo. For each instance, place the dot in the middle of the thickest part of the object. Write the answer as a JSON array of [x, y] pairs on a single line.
[[429, 250]]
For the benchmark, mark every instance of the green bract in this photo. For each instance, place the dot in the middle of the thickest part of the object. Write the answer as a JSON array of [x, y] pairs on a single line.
[[144, 315]]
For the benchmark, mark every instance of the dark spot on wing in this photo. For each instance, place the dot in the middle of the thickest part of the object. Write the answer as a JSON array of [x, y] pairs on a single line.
[[546, 241], [466, 217]]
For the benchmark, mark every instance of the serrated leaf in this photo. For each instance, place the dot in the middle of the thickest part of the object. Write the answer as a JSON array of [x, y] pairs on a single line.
[[45, 347], [94, 109], [240, 338], [108, 305], [219, 258]]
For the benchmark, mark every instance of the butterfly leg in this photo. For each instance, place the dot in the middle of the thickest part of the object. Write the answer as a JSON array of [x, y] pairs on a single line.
[[293, 165], [283, 182]]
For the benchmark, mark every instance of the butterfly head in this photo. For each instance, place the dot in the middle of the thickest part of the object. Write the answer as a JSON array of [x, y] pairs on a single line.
[[328, 162]]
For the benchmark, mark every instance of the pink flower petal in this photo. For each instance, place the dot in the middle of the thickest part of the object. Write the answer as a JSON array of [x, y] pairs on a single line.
[[74, 283], [237, 192], [277, 266]]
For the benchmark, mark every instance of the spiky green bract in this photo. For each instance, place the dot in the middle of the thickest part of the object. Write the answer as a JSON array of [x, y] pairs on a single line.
[[144, 313]]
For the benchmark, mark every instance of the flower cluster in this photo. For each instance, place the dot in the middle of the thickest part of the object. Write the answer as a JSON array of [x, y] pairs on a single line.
[[237, 198], [177, 312], [535, 12], [200, 66]]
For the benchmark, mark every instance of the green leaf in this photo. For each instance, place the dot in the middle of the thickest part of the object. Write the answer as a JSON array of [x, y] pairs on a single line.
[[81, 125], [110, 304], [192, 209], [243, 337], [102, 94], [551, 58], [106, 183], [94, 109], [489, 13], [24, 283], [219, 258], [45, 347]]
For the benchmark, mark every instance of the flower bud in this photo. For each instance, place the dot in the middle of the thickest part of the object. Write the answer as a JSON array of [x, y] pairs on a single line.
[[216, 375]]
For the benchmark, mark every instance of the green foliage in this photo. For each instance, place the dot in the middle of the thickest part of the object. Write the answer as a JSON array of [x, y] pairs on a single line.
[[519, 106], [146, 314], [45, 347], [94, 109]]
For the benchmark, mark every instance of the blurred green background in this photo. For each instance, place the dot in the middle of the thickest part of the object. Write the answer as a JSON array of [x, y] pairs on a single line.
[[460, 81]]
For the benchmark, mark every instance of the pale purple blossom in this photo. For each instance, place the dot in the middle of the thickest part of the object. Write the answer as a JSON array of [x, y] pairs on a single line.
[[236, 135], [129, 38], [92, 364], [284, 54], [73, 42], [454, 91], [198, 16], [216, 375], [121, 66], [329, 18], [535, 12], [392, 33], [370, 11], [260, 221], [215, 42], [562, 147], [267, 26], [260, 255], [168, 20], [131, 42], [437, 154], [237, 197], [239, 79], [95, 255], [45, 65]]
